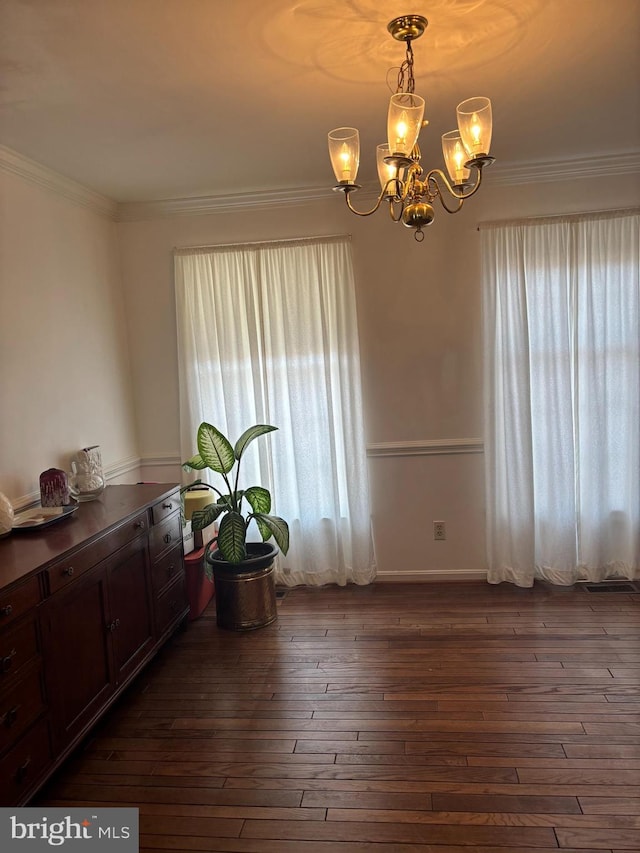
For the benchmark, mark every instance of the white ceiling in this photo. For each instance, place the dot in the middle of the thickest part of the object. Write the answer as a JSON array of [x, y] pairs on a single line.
[[155, 99]]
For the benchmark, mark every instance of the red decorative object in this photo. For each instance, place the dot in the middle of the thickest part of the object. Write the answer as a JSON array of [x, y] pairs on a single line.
[[54, 488], [200, 590]]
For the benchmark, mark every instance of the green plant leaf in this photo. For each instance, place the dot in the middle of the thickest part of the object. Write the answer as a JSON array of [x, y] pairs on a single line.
[[259, 499], [274, 526], [231, 502], [215, 449], [196, 463], [232, 536], [265, 531], [208, 569], [248, 435], [202, 518]]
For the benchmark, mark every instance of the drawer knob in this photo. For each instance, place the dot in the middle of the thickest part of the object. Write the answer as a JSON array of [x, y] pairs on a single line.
[[167, 506], [113, 625], [7, 661], [7, 610], [68, 571], [171, 569], [139, 525], [21, 772], [167, 537], [9, 718]]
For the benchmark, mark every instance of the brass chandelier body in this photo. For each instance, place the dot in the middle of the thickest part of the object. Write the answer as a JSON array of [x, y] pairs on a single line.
[[410, 191]]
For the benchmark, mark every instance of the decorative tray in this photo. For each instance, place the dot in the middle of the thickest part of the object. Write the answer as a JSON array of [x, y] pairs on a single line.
[[42, 516]]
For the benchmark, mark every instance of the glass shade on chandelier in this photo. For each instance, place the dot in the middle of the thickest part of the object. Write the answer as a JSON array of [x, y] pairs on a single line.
[[455, 157], [474, 124], [404, 121], [387, 171], [404, 183], [344, 151]]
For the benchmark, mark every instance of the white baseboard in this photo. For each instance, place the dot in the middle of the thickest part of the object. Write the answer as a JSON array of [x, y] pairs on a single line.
[[431, 576]]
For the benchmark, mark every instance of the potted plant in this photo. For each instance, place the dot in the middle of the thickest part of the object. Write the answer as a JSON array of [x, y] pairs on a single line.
[[243, 571]]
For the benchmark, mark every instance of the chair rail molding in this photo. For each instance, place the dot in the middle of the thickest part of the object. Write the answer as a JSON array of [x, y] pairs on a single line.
[[111, 472], [162, 460], [426, 447]]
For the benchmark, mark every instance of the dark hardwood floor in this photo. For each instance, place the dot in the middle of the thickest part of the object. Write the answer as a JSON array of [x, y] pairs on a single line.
[[436, 718]]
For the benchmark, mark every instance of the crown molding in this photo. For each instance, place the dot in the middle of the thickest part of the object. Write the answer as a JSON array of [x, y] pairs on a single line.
[[566, 170], [426, 447], [503, 174], [500, 174], [17, 164], [201, 205]]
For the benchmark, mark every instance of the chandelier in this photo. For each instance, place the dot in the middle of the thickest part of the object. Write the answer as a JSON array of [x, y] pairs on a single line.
[[409, 191]]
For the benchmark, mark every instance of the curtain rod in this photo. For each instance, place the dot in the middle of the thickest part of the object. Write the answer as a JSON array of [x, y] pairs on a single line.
[[555, 217], [259, 243]]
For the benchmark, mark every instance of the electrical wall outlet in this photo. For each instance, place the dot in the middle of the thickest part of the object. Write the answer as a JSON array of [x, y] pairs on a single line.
[[439, 530]]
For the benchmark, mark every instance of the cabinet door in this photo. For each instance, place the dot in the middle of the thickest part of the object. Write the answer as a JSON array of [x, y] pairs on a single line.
[[77, 649], [130, 625]]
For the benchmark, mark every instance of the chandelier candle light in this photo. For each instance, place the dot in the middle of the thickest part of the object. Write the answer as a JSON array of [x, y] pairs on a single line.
[[409, 191]]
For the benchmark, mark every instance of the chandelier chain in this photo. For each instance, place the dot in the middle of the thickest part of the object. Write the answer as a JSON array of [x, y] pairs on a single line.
[[406, 71]]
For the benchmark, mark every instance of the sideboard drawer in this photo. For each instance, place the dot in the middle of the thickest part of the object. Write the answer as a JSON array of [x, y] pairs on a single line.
[[18, 645], [165, 536], [23, 765], [19, 707], [171, 606], [64, 571], [164, 508], [166, 569], [19, 600]]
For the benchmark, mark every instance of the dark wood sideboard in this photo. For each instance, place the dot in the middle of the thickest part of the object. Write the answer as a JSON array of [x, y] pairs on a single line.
[[84, 604]]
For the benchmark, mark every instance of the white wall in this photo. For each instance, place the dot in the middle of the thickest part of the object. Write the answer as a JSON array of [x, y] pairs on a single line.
[[88, 345], [64, 361], [419, 314]]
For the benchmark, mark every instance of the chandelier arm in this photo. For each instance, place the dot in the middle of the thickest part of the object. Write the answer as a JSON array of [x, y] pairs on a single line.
[[464, 195], [366, 212], [474, 189], [436, 190], [392, 201]]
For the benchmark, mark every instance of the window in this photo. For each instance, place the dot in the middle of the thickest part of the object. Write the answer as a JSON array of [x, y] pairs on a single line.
[[267, 333], [562, 319]]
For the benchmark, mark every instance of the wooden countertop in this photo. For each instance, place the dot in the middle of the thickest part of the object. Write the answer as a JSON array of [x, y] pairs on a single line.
[[26, 552]]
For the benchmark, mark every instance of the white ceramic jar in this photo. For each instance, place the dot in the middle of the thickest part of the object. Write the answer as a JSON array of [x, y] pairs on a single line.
[[6, 515]]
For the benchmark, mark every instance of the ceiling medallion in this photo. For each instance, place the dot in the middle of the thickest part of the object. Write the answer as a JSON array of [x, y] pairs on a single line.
[[409, 191]]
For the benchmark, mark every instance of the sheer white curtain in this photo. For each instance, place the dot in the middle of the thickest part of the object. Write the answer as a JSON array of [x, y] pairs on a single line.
[[267, 333], [562, 391]]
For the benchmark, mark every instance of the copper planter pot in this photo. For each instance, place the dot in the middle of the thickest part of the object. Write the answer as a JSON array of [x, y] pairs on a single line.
[[245, 592]]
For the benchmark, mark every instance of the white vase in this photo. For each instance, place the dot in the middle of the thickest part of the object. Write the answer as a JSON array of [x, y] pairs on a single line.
[[6, 515], [86, 482]]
